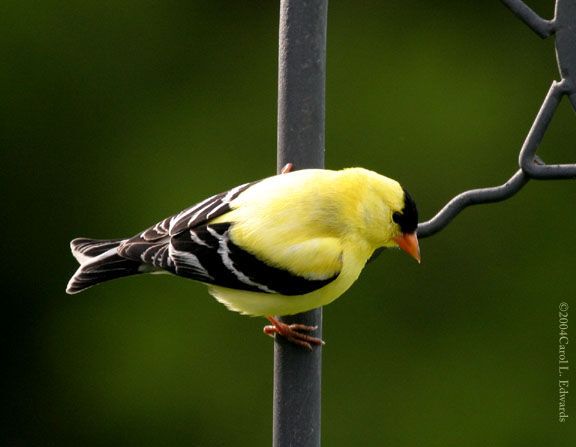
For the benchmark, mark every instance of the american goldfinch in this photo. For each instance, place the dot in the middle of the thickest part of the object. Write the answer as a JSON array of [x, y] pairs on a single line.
[[278, 246]]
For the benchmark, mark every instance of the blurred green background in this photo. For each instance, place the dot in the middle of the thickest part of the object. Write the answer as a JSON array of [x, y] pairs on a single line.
[[117, 114]]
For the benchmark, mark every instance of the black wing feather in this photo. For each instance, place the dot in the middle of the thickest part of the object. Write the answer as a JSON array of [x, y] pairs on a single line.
[[186, 244], [193, 216]]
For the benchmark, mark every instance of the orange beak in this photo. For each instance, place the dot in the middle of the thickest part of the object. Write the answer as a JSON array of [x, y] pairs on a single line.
[[409, 243]]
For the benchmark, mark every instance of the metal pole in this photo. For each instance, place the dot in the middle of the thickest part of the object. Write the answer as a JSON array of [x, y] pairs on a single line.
[[301, 84]]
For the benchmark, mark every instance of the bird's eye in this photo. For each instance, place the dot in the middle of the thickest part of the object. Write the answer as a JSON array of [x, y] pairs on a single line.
[[396, 217]]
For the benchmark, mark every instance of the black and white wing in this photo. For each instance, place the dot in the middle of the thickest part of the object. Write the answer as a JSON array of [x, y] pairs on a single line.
[[186, 244], [226, 264], [192, 217], [154, 246]]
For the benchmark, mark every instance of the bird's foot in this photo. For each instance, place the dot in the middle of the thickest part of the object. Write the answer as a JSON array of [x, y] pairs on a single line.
[[290, 333], [287, 168]]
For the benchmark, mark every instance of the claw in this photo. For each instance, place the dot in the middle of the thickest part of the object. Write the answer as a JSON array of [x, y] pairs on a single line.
[[290, 333], [287, 168]]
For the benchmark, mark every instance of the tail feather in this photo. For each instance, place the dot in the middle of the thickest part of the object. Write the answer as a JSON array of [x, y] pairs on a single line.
[[99, 262], [84, 248]]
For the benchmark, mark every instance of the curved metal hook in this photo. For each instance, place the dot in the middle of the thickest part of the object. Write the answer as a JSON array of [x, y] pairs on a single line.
[[472, 197], [531, 166]]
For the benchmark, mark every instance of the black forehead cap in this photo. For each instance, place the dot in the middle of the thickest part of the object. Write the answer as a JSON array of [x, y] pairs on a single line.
[[408, 221]]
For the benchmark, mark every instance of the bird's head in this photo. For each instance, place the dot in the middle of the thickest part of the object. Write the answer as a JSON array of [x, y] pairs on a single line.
[[390, 215]]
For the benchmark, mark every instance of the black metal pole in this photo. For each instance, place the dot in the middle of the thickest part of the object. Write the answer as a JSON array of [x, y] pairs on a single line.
[[301, 86]]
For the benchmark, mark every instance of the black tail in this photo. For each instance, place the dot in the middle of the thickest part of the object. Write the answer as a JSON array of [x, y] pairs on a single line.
[[99, 262]]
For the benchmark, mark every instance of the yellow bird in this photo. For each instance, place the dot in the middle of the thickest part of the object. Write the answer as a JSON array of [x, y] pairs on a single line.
[[278, 246]]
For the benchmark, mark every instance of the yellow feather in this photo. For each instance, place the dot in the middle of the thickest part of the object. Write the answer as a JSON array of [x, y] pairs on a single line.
[[315, 224]]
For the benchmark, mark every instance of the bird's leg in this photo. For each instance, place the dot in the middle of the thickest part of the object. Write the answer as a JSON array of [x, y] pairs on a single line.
[[290, 333], [287, 168]]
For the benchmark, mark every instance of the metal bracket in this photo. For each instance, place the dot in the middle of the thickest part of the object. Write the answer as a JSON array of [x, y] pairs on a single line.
[[563, 26]]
